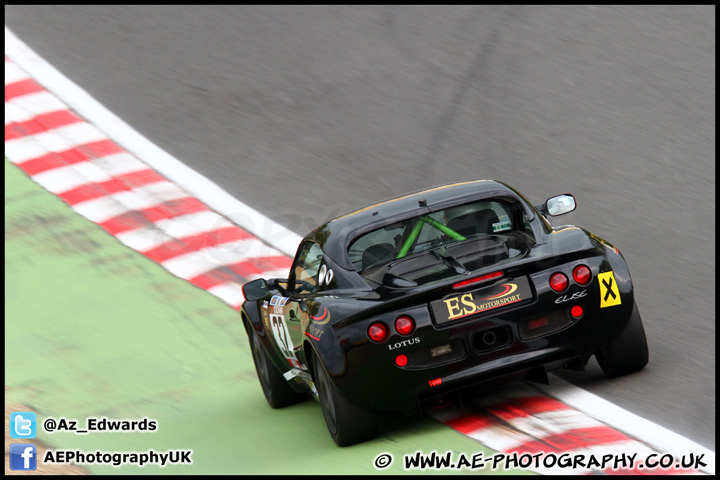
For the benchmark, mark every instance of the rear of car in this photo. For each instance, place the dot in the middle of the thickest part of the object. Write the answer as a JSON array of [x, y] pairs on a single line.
[[518, 320], [472, 292], [451, 287]]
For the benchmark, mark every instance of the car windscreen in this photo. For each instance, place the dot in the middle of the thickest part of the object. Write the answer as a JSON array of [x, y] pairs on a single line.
[[443, 243]]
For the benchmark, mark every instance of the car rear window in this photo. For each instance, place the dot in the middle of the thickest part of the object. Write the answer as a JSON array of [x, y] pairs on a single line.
[[467, 236]]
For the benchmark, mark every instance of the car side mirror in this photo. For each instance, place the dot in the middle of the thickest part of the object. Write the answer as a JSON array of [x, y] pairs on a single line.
[[560, 204], [255, 290]]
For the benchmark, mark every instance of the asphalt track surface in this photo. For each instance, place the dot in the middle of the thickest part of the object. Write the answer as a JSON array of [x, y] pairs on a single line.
[[307, 112]]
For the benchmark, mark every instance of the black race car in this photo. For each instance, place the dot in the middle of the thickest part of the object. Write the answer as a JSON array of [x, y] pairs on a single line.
[[433, 292]]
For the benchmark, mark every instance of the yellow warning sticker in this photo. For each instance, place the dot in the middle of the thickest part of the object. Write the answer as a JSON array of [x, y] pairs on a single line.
[[609, 293]]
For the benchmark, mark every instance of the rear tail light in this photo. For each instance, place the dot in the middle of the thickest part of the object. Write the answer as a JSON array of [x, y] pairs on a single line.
[[582, 275], [378, 332], [577, 311], [404, 325], [558, 282]]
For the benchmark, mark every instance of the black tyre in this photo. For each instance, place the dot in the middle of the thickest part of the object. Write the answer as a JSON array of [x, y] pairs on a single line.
[[276, 389], [347, 423], [628, 352]]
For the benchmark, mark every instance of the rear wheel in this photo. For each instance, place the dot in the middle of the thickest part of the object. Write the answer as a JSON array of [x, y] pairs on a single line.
[[276, 389], [628, 352], [347, 422]]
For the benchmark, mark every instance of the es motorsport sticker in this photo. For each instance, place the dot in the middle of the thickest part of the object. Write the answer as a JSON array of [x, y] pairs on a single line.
[[457, 306]]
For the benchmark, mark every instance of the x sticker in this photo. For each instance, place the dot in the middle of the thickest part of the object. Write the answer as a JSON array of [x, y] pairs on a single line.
[[609, 293]]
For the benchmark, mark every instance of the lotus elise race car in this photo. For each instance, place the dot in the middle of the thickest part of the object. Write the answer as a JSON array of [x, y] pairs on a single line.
[[433, 292]]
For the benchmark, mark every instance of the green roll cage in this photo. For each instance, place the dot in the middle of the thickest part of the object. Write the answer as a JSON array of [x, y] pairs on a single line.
[[415, 232]]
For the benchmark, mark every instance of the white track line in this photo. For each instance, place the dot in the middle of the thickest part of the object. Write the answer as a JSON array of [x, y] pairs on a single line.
[[661, 438]]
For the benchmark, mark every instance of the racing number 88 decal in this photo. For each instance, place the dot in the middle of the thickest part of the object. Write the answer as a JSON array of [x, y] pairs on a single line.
[[282, 336]]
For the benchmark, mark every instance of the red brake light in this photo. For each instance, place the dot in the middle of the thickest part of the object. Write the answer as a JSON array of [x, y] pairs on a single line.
[[378, 332], [401, 360], [558, 282], [404, 325], [538, 323], [582, 275], [577, 311], [471, 281]]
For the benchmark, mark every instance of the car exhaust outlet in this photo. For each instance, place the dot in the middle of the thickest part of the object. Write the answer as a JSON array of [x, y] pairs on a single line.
[[489, 338]]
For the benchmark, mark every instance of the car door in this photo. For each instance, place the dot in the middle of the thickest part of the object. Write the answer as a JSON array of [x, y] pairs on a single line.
[[287, 315]]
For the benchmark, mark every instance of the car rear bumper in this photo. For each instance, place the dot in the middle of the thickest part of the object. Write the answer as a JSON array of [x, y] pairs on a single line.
[[385, 378]]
